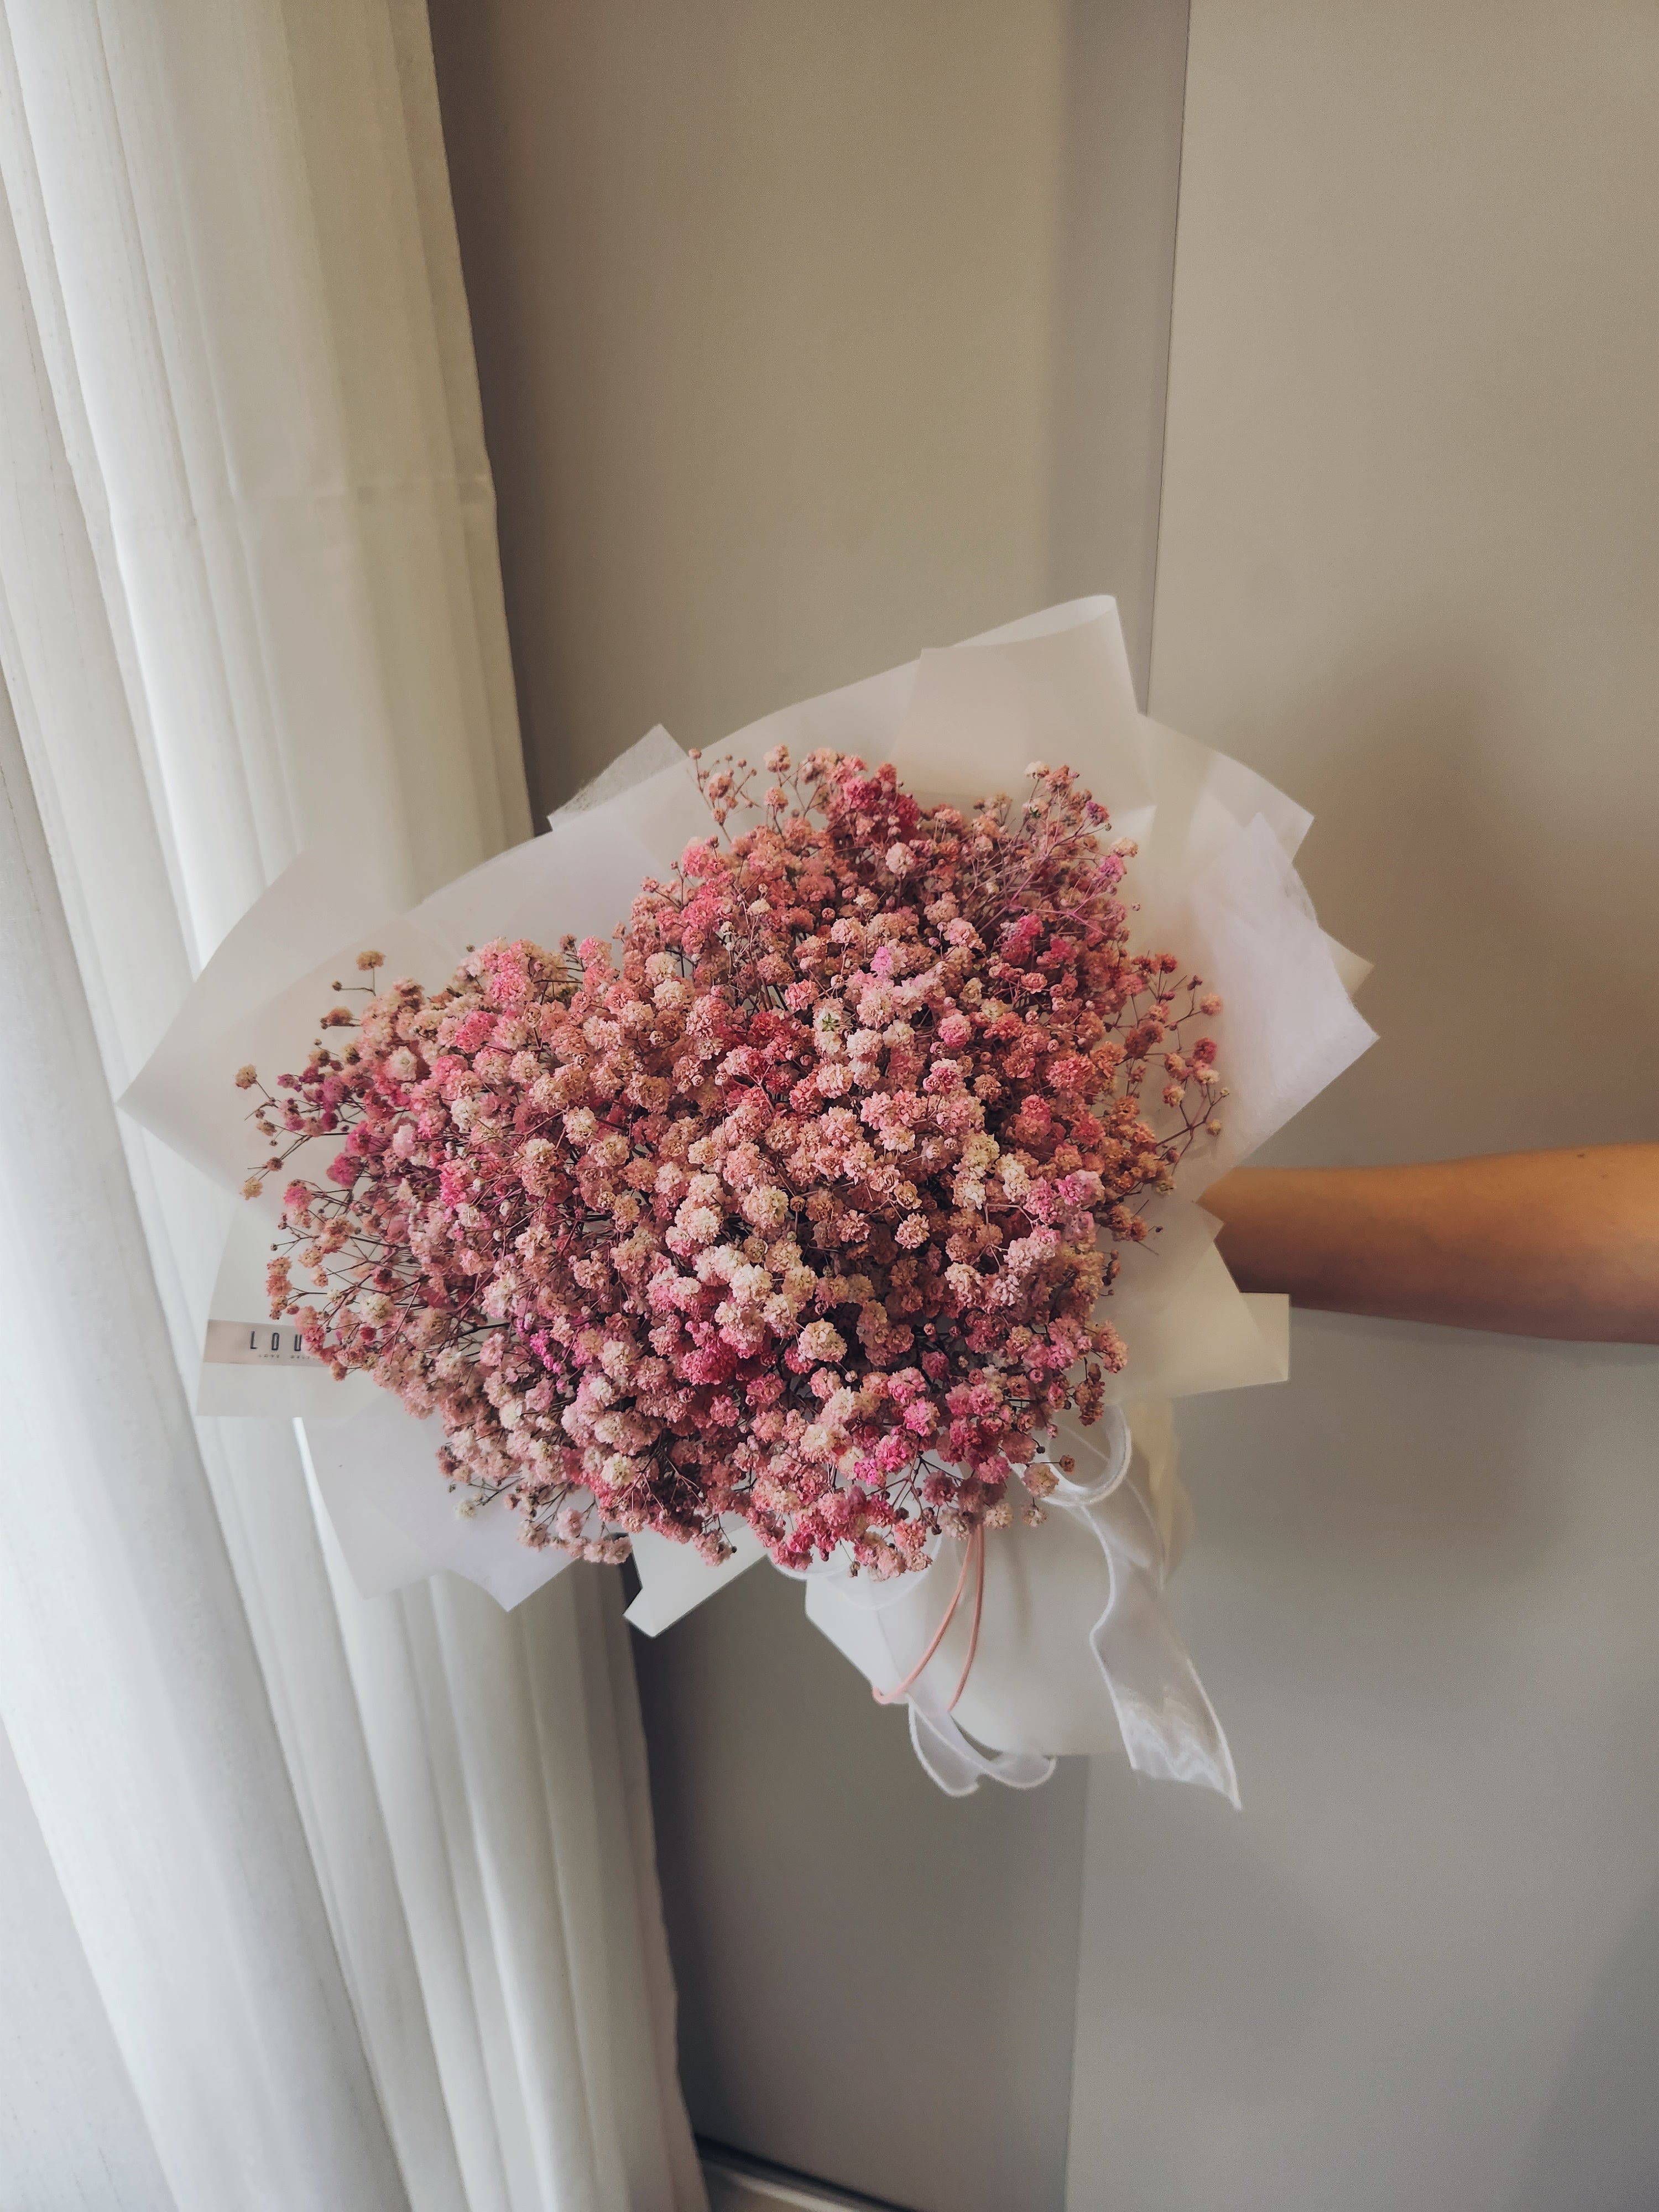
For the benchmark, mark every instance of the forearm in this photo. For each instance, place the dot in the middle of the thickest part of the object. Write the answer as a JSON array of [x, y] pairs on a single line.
[[1557, 1244]]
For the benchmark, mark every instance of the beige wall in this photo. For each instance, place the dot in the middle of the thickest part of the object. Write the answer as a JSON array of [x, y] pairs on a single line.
[[1410, 569], [763, 297], [811, 332]]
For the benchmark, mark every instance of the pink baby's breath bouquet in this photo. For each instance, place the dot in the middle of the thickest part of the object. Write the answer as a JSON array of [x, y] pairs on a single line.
[[826, 1206], [798, 1202]]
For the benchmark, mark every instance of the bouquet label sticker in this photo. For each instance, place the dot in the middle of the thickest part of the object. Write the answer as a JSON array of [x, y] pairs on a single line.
[[255, 1344], [251, 1366]]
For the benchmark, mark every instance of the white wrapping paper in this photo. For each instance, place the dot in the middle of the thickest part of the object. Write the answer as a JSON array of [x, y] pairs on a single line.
[[1075, 1652], [397, 1522], [673, 1578]]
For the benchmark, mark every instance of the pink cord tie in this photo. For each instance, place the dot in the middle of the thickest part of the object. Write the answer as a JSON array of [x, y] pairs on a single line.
[[975, 1555]]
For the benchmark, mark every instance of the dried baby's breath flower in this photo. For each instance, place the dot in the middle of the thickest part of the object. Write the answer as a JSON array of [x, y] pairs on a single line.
[[795, 1203]]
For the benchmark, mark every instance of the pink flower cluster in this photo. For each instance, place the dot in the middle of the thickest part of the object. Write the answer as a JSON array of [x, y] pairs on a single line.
[[796, 1205]]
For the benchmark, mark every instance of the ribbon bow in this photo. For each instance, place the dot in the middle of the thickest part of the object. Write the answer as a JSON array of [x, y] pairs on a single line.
[[1135, 1507], [1169, 1725]]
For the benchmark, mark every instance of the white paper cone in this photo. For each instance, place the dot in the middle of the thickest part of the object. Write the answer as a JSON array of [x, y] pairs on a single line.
[[674, 1578], [395, 1518]]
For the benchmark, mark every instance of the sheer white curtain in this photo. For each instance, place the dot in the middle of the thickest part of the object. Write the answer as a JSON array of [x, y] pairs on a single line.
[[335, 1904]]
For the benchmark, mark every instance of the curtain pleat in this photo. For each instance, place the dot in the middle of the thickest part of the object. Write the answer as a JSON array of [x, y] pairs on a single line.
[[94, 2154], [132, 1695], [365, 1888]]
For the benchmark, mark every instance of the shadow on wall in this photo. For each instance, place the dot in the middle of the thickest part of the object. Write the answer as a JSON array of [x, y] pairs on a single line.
[[1586, 2153], [763, 301], [1498, 974], [1386, 1598], [789, 1806], [1414, 1571], [1451, 1422]]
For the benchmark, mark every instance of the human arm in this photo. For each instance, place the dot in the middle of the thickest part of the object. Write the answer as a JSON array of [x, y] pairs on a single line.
[[1553, 1245]]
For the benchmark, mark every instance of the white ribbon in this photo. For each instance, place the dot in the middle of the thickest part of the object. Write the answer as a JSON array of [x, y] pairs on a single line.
[[1131, 1501], [958, 1766], [1169, 1726]]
